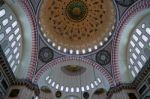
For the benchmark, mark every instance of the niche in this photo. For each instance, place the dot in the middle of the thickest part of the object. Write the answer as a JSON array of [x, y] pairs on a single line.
[[100, 91], [14, 93], [132, 96], [45, 89], [142, 89], [148, 80], [4, 84], [0, 76], [147, 97]]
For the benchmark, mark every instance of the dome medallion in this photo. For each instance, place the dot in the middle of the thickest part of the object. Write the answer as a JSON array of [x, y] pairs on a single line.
[[77, 26], [76, 11]]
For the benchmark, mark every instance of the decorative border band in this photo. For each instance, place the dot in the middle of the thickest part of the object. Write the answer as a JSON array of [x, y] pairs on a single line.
[[28, 10]]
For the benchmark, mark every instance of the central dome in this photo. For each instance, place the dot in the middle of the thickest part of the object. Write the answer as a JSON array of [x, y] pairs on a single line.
[[77, 26]]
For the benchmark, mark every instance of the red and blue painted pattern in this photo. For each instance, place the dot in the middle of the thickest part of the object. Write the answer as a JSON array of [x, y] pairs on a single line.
[[34, 57]]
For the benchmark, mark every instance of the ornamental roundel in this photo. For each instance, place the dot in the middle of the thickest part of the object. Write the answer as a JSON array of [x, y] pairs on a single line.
[[46, 54], [77, 26], [103, 57], [76, 11]]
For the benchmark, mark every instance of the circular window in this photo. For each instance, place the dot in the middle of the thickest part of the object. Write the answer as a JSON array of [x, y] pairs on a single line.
[[58, 94]]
